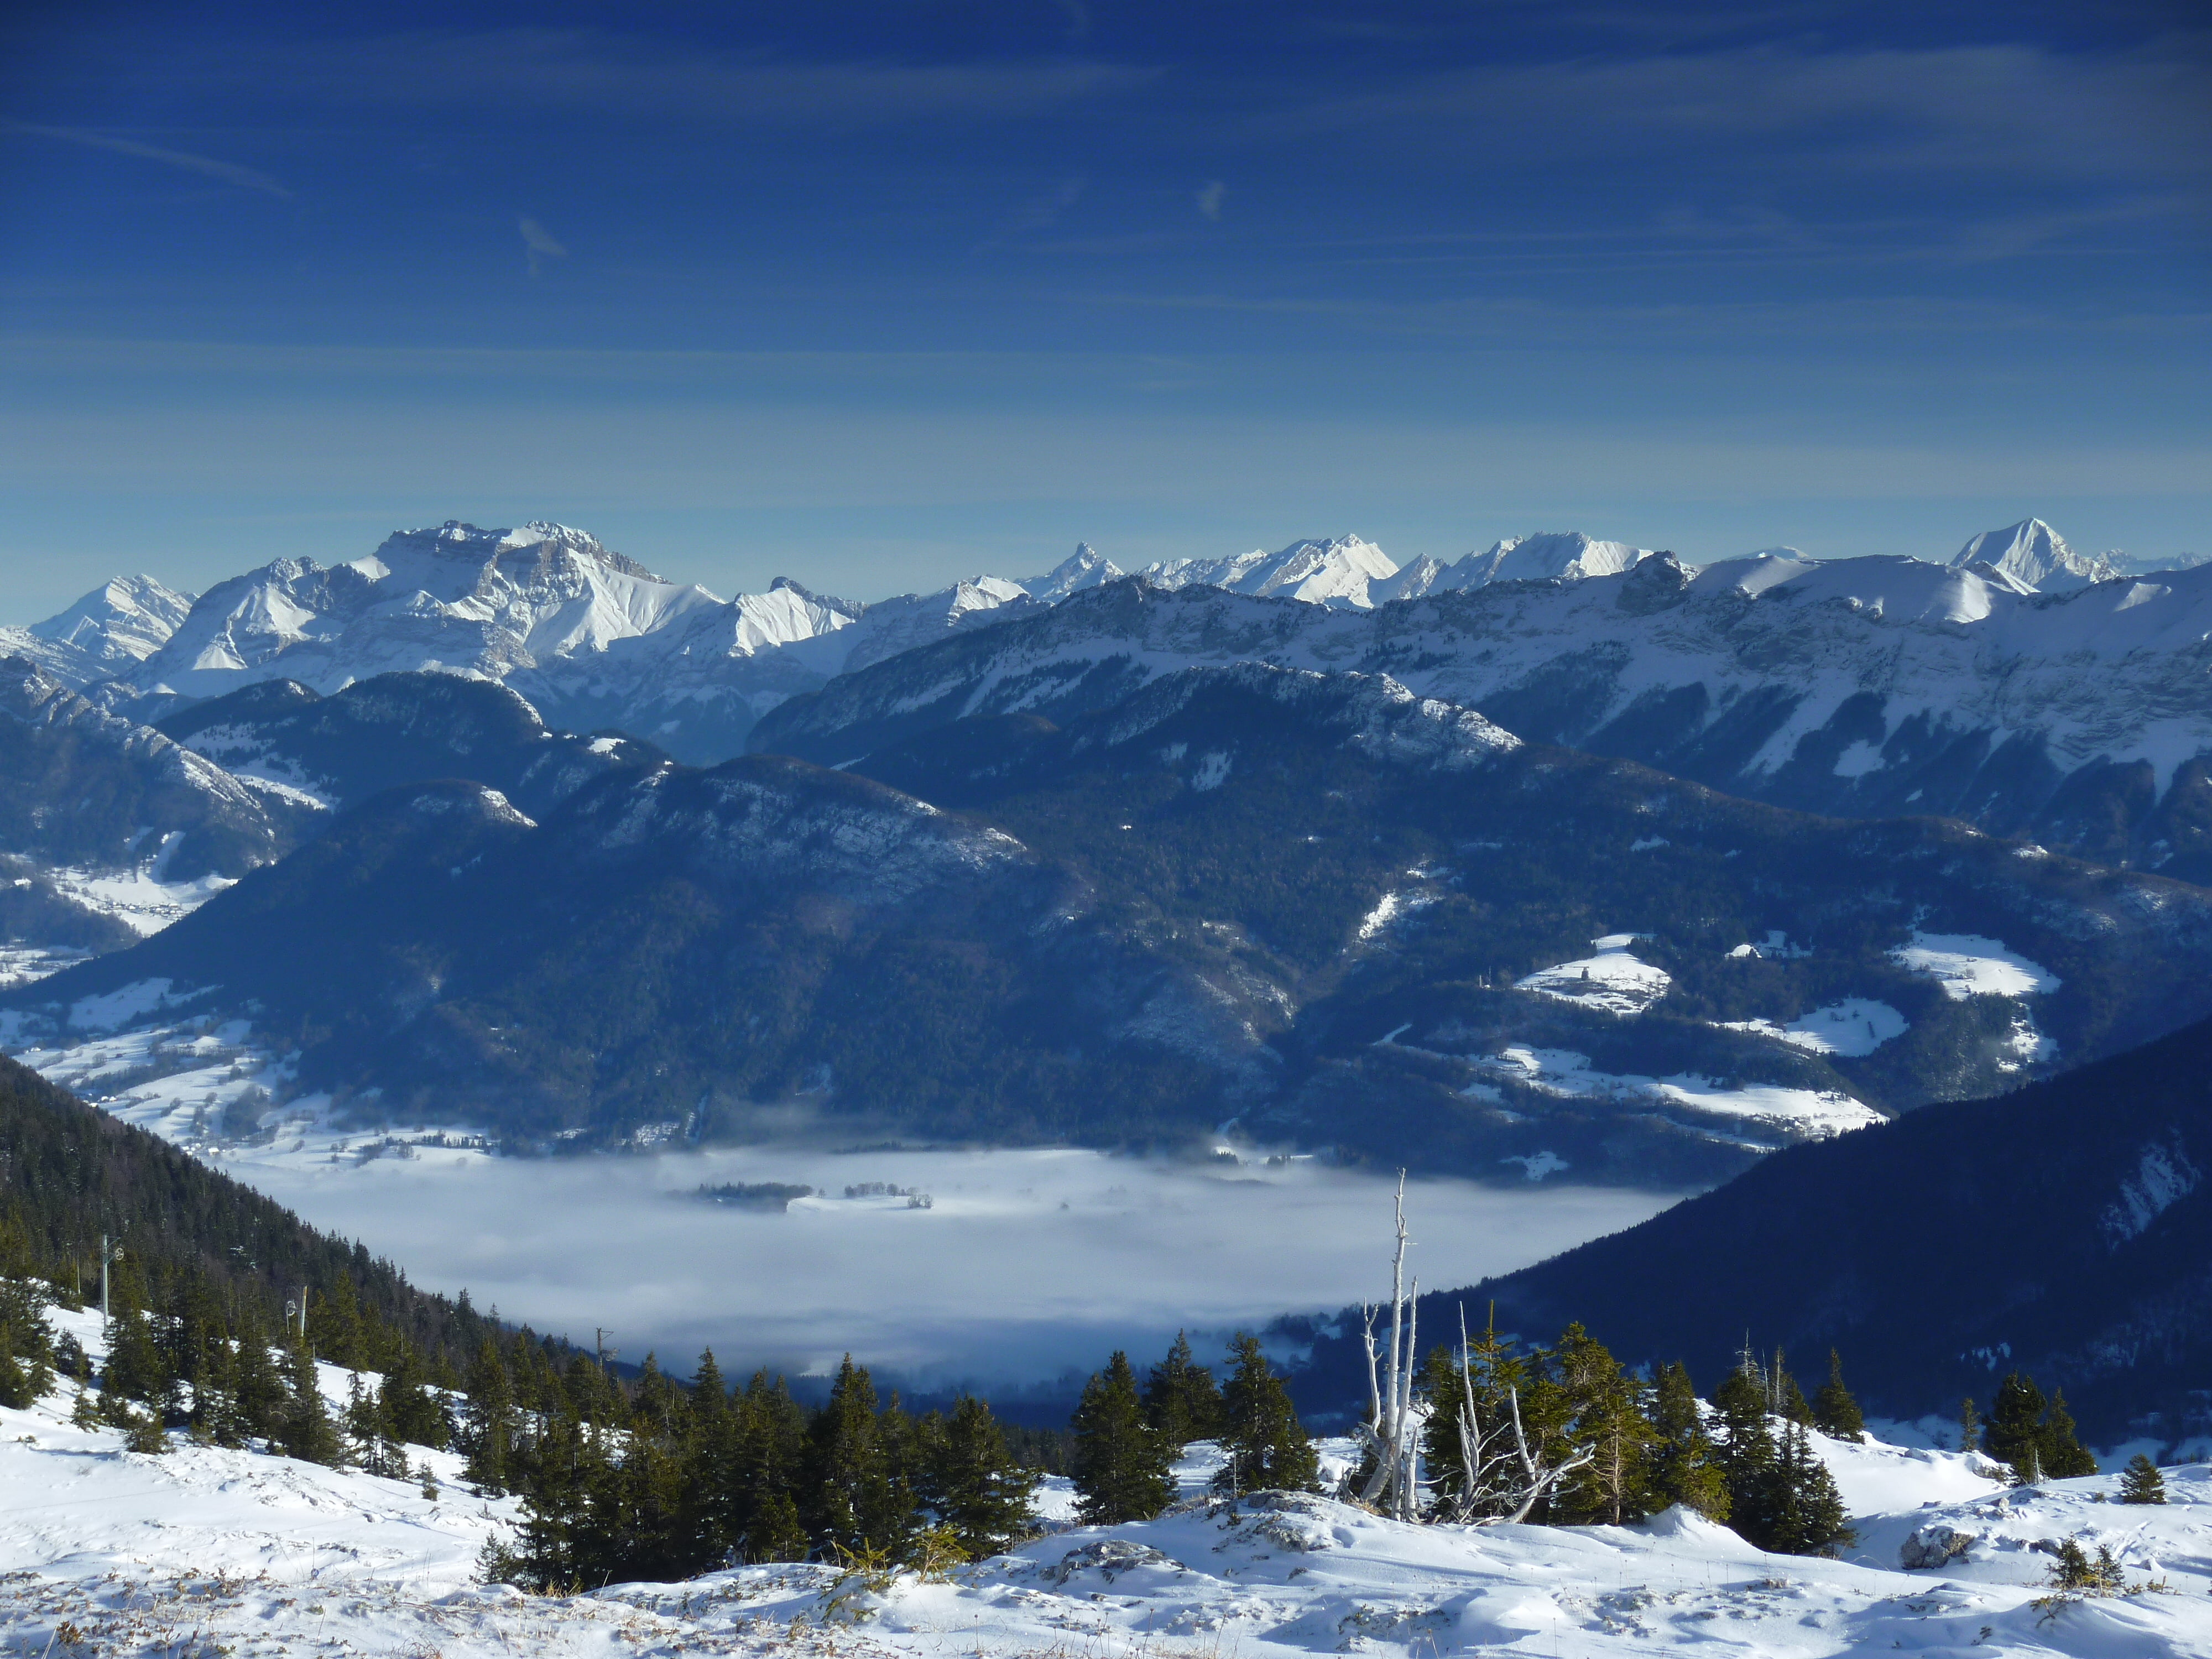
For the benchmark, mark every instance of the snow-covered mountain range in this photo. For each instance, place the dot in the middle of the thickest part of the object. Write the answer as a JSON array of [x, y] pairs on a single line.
[[1863, 688], [1970, 669]]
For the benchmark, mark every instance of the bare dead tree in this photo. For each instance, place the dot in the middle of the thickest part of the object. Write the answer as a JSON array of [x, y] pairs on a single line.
[[1391, 1432], [1501, 1478]]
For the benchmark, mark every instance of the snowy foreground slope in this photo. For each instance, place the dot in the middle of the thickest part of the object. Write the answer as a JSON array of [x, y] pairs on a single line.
[[205, 1551]]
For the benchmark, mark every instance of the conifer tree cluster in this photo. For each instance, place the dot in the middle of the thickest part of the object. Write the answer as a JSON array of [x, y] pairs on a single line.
[[1126, 1441], [1565, 1435], [2034, 1436], [655, 1478]]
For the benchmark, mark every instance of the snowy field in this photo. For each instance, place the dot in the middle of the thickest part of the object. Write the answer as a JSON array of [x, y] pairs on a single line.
[[204, 1551], [1024, 1262]]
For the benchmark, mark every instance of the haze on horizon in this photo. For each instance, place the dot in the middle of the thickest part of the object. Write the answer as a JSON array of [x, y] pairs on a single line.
[[882, 294]]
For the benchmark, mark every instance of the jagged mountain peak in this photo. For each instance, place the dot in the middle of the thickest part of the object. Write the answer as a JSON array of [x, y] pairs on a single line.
[[2035, 556], [1084, 568], [1562, 555], [1335, 571]]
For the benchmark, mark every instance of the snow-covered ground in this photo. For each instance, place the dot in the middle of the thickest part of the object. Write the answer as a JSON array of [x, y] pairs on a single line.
[[203, 1551], [142, 897], [1755, 1109], [1853, 1028], [1614, 979], [1967, 965]]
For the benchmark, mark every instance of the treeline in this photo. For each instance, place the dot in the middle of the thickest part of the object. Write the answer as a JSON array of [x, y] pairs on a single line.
[[1603, 1445], [657, 1479], [190, 1237]]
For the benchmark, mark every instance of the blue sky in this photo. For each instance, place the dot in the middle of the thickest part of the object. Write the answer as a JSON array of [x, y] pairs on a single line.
[[883, 294]]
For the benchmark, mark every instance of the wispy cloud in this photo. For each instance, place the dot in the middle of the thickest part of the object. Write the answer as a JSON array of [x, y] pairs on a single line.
[[538, 244], [229, 172], [656, 80], [1210, 198]]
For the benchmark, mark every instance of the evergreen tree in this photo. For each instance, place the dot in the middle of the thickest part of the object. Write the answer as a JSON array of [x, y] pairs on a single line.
[[1970, 1425], [1181, 1399], [1604, 1412], [1806, 1512], [304, 1430], [488, 1420], [1686, 1466], [973, 1484], [2014, 1434], [1788, 1400], [412, 1413], [1493, 1371], [860, 1501], [15, 1391], [2141, 1482], [257, 1384], [776, 1534], [134, 1369], [1267, 1448], [1747, 1453], [2065, 1456], [1835, 1411], [1122, 1465]]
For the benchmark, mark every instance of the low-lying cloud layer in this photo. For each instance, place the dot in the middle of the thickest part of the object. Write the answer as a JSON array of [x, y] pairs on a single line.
[[1023, 1264]]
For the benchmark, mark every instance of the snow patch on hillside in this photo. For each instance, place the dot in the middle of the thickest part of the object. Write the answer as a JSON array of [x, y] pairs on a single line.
[[1615, 979], [1968, 966], [1853, 1028], [1793, 1114], [141, 897]]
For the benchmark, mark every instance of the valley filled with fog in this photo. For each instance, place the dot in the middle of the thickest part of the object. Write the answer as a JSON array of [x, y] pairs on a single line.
[[1024, 1263]]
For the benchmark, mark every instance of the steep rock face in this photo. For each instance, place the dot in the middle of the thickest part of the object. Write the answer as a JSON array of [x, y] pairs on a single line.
[[280, 737], [2036, 557], [107, 633], [1863, 687]]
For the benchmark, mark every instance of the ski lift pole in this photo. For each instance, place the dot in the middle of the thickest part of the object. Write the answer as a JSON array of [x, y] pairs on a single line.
[[109, 1253]]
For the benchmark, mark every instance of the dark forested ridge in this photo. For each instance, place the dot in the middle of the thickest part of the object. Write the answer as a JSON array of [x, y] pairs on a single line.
[[69, 1173], [2064, 1228], [1299, 901]]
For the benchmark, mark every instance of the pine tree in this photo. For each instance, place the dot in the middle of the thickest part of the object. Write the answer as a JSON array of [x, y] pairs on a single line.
[[2141, 1482], [1687, 1467], [1747, 1453], [1122, 1465], [134, 1369], [258, 1385], [1788, 1399], [2014, 1434], [412, 1415], [973, 1484], [488, 1420], [1267, 1448], [1970, 1426], [1605, 1414], [15, 1391], [304, 1430], [1806, 1512], [2065, 1456], [1835, 1411], [1181, 1399], [860, 1501]]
